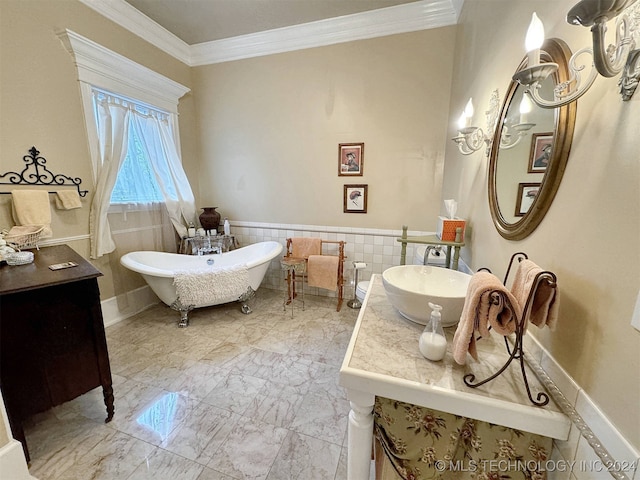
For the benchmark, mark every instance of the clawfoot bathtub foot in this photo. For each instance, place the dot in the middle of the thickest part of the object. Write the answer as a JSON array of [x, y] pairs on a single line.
[[245, 298], [184, 312]]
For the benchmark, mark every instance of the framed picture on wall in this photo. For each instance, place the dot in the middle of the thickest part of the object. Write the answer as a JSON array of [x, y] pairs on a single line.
[[541, 145], [350, 159], [355, 198], [527, 193]]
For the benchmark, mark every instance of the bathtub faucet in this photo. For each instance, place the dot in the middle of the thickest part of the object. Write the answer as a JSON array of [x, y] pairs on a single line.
[[437, 250]]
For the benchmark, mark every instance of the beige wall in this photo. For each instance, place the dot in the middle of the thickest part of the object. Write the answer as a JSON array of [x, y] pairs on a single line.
[[270, 129], [590, 236], [41, 106]]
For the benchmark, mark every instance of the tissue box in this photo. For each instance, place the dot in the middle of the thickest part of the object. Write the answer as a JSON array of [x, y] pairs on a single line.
[[447, 228]]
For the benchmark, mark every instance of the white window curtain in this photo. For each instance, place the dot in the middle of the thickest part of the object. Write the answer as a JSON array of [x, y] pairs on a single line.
[[113, 135], [114, 117], [156, 136]]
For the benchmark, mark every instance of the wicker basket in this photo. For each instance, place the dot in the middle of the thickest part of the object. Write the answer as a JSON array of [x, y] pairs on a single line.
[[28, 238]]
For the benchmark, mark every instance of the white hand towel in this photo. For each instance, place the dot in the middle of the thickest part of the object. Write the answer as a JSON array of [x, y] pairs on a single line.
[[67, 200], [31, 207]]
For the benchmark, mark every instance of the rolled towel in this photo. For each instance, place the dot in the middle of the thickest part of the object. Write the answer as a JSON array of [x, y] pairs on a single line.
[[67, 200], [487, 303], [302, 247], [544, 308], [322, 271], [31, 207]]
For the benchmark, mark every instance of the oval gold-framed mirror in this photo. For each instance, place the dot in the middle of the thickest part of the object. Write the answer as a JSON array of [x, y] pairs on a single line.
[[529, 152]]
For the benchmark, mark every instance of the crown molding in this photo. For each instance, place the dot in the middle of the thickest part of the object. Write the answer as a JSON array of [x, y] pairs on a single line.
[[409, 17], [376, 23], [139, 24]]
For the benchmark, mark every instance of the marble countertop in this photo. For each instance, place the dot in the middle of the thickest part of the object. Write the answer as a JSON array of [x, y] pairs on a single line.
[[383, 359]]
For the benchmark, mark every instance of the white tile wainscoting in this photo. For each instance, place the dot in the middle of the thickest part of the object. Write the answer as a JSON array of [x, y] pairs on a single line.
[[378, 248]]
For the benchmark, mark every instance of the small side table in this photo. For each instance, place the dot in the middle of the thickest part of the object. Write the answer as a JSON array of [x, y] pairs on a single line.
[[433, 240], [293, 266]]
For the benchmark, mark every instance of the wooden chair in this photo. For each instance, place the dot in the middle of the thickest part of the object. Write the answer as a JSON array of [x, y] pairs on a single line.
[[327, 247]]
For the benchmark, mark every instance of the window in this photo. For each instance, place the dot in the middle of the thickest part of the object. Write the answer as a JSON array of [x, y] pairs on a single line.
[[133, 137], [136, 182]]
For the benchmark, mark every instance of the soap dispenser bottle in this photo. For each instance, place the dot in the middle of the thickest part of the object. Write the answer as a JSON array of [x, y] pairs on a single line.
[[227, 227], [433, 343]]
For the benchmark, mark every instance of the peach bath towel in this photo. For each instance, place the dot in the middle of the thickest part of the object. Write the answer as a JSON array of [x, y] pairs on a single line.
[[31, 207], [322, 271], [302, 247], [544, 308], [67, 200], [488, 303]]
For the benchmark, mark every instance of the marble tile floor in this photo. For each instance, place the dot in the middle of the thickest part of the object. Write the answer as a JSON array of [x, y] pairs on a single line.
[[232, 396]]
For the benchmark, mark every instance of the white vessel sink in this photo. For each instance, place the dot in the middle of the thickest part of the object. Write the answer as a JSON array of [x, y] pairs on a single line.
[[410, 288]]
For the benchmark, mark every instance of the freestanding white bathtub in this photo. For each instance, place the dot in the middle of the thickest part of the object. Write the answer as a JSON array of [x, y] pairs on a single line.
[[159, 268]]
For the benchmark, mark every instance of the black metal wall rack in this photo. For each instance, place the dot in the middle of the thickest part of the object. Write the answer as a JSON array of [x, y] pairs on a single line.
[[36, 173]]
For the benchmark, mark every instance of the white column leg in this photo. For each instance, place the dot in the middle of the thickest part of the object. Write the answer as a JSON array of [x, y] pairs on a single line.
[[360, 441]]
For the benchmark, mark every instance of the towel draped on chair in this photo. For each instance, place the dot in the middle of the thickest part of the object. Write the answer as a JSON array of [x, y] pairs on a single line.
[[211, 287], [322, 271], [303, 247], [31, 207], [487, 303]]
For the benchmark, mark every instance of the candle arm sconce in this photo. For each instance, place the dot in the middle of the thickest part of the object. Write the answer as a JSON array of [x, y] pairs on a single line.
[[607, 61], [471, 139]]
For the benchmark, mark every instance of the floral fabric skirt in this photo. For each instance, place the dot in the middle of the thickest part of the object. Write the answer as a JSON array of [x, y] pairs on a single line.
[[421, 443]]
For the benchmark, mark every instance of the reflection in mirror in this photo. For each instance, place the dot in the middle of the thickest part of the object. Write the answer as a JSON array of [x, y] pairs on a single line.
[[523, 155], [529, 151]]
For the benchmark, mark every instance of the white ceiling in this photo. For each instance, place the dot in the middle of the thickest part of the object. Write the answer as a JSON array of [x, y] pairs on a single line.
[[201, 32], [198, 21]]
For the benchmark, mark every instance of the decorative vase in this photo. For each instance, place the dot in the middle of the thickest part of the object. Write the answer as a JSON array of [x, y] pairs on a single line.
[[210, 219]]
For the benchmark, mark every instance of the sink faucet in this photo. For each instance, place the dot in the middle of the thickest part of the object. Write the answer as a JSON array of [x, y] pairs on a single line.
[[437, 250]]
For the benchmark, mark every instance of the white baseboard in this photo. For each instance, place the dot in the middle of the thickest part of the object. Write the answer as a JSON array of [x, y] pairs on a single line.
[[12, 462], [120, 307]]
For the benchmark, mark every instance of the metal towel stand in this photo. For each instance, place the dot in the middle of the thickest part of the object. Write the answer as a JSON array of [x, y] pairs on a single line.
[[516, 352]]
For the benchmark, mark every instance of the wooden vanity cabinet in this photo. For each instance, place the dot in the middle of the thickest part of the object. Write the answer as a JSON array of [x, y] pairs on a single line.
[[52, 340]]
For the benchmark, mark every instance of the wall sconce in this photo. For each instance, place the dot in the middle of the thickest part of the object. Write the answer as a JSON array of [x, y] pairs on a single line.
[[509, 140], [607, 61], [469, 139]]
